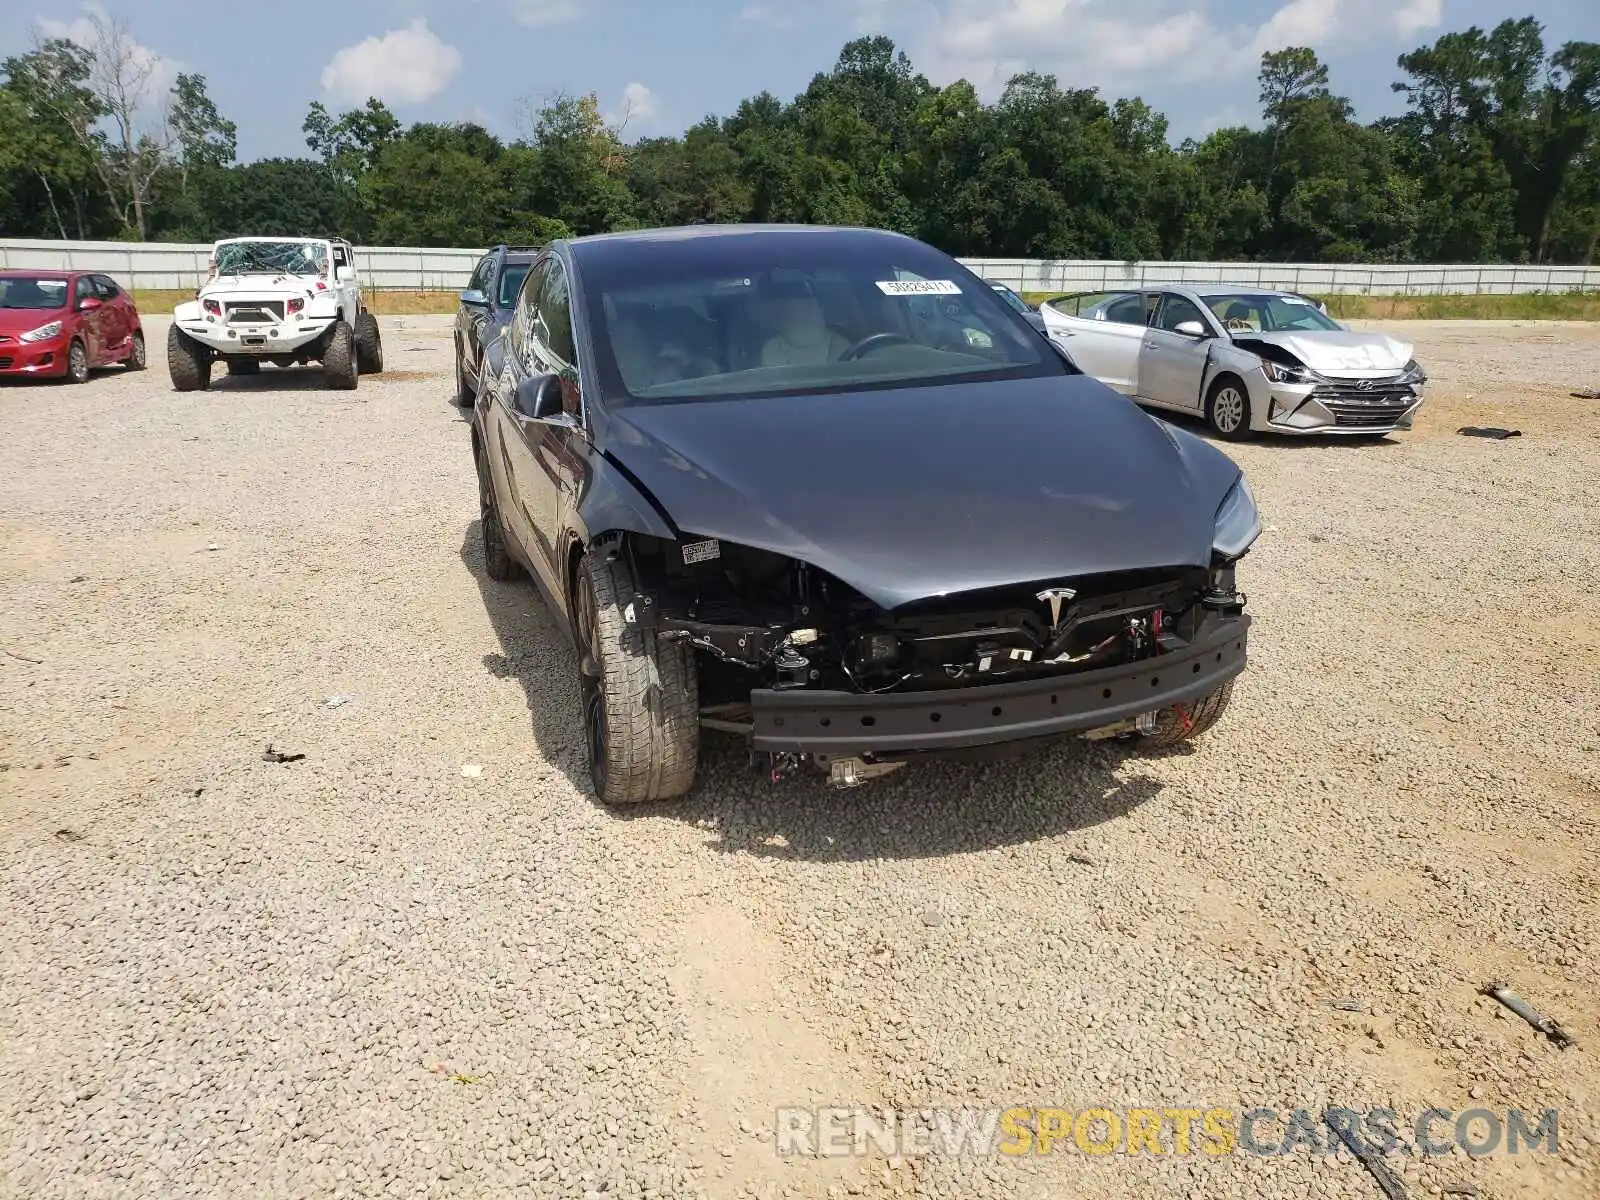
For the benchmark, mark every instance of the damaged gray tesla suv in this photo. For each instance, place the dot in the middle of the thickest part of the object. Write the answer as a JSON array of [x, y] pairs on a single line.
[[824, 490]]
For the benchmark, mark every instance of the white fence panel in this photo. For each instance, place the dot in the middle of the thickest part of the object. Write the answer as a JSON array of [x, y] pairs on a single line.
[[174, 266]]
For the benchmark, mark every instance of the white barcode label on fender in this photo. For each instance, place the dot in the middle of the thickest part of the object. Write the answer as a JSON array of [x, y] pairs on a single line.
[[919, 287]]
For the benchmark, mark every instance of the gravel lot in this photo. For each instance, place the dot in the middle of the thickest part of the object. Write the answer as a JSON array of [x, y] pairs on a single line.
[[365, 972]]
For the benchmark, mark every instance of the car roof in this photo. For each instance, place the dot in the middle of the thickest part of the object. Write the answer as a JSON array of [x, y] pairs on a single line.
[[603, 247]]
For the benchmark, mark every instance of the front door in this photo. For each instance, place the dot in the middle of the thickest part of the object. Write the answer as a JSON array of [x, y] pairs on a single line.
[[542, 457], [114, 324], [1172, 365], [91, 321]]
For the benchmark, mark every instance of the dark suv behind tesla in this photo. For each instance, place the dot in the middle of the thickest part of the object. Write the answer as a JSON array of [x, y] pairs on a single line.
[[486, 303]]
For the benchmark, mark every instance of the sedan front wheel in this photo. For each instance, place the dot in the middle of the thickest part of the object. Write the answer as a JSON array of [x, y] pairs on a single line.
[[1228, 408]]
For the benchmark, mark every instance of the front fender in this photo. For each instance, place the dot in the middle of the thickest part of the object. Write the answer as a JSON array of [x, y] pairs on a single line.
[[612, 503]]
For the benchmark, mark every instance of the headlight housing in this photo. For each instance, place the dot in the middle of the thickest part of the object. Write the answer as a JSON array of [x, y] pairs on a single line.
[[43, 333], [1282, 373], [1414, 373], [1237, 523]]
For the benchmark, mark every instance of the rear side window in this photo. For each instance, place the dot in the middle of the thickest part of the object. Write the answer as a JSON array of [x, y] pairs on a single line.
[[1127, 311]]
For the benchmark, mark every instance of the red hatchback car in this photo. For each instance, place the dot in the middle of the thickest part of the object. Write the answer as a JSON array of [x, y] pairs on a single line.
[[60, 324]]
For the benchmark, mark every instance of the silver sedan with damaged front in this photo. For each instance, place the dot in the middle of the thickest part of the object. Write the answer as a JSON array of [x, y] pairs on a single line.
[[1244, 359]]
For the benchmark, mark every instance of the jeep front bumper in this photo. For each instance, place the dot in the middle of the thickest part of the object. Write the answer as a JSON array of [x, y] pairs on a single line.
[[258, 337], [889, 725]]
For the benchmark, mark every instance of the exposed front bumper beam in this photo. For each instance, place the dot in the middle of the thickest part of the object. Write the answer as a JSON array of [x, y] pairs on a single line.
[[847, 723]]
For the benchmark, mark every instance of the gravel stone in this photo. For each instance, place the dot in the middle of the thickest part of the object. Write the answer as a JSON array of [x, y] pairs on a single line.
[[365, 974]]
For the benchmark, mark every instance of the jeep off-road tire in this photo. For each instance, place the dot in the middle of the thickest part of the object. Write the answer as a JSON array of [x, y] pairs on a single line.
[[243, 366], [1185, 722], [188, 362], [640, 696], [369, 345], [339, 358], [498, 564]]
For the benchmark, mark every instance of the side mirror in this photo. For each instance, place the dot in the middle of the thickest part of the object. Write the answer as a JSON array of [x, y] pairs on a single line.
[[89, 304], [539, 398], [474, 297], [1191, 329], [344, 274]]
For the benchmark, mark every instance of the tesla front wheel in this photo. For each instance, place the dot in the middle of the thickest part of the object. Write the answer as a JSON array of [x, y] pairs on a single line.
[[1185, 722], [640, 696]]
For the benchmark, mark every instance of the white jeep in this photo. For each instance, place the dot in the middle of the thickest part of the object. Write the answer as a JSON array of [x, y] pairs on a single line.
[[287, 301]]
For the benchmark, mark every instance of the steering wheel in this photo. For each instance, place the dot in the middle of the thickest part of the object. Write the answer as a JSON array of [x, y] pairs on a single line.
[[873, 341]]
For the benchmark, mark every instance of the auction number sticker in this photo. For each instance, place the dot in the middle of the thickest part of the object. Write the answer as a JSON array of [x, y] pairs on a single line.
[[919, 287]]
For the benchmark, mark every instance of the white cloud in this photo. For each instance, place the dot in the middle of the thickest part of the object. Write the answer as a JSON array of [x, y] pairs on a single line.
[[766, 16], [88, 31], [538, 13], [1113, 44], [1416, 15], [638, 109], [404, 66]]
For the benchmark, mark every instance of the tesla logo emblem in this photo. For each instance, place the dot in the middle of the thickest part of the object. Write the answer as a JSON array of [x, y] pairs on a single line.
[[1054, 596], [1364, 385]]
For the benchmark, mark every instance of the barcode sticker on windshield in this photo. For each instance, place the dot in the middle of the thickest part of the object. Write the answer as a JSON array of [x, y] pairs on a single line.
[[1293, 300], [919, 287]]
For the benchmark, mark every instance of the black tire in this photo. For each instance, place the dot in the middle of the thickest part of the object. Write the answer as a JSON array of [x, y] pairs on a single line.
[[369, 345], [138, 357], [1185, 722], [77, 363], [641, 697], [1228, 408], [466, 394], [497, 561], [244, 366], [188, 362], [339, 358]]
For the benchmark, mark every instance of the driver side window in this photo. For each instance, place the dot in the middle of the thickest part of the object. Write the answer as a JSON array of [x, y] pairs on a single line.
[[518, 329], [1175, 310]]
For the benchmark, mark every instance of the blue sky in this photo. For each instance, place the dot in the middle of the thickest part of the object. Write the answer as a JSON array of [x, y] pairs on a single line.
[[667, 65]]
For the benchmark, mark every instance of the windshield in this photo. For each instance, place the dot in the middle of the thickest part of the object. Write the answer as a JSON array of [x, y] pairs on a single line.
[[763, 315], [43, 292], [272, 258], [510, 282], [1010, 297], [1268, 312]]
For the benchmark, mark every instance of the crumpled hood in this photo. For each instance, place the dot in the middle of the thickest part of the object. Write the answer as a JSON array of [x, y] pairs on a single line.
[[1339, 351], [912, 493]]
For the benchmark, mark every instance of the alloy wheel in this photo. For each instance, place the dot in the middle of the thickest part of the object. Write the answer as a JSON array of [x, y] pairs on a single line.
[[78, 363], [137, 354], [1227, 410]]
